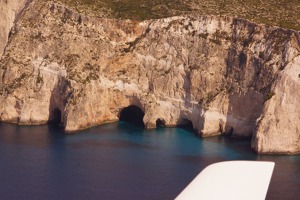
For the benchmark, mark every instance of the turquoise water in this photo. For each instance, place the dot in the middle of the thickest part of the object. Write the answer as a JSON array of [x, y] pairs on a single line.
[[120, 161]]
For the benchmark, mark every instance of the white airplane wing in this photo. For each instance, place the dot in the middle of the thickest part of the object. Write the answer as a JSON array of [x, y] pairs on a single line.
[[232, 180]]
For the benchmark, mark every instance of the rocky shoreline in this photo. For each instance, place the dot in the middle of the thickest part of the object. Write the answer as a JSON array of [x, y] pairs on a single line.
[[224, 75]]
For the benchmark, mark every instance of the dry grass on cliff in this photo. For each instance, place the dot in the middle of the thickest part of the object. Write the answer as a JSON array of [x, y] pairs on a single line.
[[272, 12]]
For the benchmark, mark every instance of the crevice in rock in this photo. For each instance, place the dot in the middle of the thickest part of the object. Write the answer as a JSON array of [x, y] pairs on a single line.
[[18, 16], [133, 44], [133, 115]]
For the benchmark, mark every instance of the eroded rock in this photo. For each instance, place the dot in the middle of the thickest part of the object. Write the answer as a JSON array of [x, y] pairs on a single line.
[[225, 75]]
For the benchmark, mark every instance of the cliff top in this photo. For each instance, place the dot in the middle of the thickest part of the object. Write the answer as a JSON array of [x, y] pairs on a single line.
[[271, 12]]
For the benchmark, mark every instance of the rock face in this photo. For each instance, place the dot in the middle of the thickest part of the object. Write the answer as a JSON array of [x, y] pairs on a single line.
[[225, 75], [10, 11]]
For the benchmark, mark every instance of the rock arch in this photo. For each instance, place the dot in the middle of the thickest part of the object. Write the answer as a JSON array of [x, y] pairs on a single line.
[[186, 124], [160, 122], [133, 115]]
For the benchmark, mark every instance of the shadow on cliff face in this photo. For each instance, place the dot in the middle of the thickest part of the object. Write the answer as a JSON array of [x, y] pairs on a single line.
[[247, 81], [58, 102], [133, 115], [55, 116], [243, 111], [186, 124]]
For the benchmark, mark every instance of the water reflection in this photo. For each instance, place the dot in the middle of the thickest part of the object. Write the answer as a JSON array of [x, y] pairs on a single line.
[[35, 136]]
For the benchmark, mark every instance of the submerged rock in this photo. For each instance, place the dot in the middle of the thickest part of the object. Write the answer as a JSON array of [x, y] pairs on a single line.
[[225, 75]]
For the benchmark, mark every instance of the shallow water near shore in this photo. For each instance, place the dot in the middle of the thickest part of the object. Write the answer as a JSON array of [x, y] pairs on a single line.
[[121, 161]]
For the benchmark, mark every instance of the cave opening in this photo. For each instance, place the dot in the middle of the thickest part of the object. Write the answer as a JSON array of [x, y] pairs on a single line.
[[160, 123], [187, 124], [55, 117], [133, 115]]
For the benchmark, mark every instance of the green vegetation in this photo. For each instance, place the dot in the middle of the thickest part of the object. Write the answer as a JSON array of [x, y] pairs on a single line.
[[216, 41], [261, 55], [272, 12], [269, 96], [203, 35], [18, 82], [211, 96], [130, 9]]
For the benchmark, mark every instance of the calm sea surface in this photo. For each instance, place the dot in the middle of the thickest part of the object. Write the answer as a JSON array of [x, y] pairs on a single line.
[[120, 161]]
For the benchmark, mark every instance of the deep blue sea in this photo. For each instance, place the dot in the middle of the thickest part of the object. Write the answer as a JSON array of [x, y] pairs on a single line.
[[121, 161]]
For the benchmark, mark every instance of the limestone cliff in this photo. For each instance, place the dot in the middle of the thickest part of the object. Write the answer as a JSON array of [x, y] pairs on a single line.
[[225, 75], [10, 12]]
